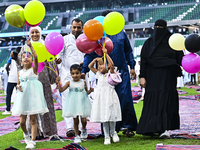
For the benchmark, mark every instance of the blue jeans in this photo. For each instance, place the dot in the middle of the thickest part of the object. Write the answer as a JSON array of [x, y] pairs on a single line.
[[9, 91]]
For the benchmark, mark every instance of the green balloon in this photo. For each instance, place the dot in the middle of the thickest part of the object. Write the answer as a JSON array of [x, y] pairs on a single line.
[[113, 23], [40, 50], [14, 15]]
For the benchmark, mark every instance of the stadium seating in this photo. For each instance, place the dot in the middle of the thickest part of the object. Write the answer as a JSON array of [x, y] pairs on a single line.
[[89, 15], [4, 55], [168, 13], [44, 24]]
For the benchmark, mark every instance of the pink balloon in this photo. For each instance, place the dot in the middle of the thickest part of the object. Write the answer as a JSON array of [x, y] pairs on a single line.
[[109, 47], [40, 66], [54, 43], [191, 63], [85, 45], [30, 25]]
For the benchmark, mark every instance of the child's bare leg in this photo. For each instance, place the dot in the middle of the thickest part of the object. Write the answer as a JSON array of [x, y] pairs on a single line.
[[33, 122], [76, 122], [84, 122], [23, 123]]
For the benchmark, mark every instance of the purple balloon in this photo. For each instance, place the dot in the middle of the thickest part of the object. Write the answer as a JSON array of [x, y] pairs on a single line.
[[54, 43], [191, 63], [40, 66], [85, 45]]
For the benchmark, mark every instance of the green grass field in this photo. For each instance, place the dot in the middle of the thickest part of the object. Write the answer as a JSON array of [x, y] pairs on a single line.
[[138, 142]]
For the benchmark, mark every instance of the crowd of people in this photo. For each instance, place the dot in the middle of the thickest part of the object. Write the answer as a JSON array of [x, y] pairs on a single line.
[[112, 105]]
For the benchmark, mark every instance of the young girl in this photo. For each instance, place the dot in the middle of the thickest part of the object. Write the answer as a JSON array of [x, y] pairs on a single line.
[[77, 102], [30, 97], [106, 107]]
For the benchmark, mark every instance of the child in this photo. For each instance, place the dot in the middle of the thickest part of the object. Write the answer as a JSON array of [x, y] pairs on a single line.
[[106, 107], [77, 102], [30, 97]]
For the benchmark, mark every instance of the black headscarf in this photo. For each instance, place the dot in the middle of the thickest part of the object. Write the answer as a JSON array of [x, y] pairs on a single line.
[[159, 34]]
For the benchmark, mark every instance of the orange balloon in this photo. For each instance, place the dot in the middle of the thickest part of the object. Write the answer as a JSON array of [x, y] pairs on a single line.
[[93, 29]]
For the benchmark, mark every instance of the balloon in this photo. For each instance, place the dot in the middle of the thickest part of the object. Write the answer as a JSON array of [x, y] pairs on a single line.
[[191, 63], [176, 41], [14, 15], [93, 30], [101, 19], [192, 43], [113, 23], [33, 25], [40, 51], [50, 57], [54, 43], [109, 47], [40, 66], [34, 12], [85, 45]]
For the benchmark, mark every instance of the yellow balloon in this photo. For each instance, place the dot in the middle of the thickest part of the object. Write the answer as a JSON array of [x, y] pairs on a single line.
[[34, 12], [14, 15], [41, 51], [177, 41], [50, 57], [113, 23]]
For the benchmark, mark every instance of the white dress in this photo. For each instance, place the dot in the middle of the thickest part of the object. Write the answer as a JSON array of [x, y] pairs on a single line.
[[106, 106], [31, 101]]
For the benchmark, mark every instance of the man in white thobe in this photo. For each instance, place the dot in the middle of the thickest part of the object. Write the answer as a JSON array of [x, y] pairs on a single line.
[[70, 55]]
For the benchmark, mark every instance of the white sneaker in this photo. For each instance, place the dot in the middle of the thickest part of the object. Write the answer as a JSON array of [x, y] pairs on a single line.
[[6, 112], [84, 134], [31, 144], [77, 139], [164, 135], [107, 141], [27, 138], [115, 138]]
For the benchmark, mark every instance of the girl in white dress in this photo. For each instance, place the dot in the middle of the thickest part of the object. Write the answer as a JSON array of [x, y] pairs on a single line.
[[106, 107], [30, 97], [77, 102]]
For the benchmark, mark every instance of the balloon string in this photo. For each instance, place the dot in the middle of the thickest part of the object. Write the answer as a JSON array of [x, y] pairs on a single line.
[[52, 68], [26, 40], [56, 66]]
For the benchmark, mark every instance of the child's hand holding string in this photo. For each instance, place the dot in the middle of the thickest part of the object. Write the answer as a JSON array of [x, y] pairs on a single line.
[[104, 50], [29, 43]]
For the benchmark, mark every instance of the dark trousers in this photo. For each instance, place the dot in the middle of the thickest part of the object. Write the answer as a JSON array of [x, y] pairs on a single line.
[[193, 77], [9, 91]]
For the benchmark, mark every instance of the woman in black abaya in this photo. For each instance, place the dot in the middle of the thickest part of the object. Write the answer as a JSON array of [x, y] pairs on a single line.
[[160, 67]]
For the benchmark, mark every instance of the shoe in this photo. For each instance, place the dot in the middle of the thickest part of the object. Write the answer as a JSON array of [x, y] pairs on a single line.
[[107, 141], [31, 144], [6, 112], [27, 138], [84, 134], [164, 135], [115, 137], [77, 139], [70, 133]]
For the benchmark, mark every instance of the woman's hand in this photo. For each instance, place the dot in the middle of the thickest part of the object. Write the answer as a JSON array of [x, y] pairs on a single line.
[[58, 61], [28, 42], [143, 82], [133, 75], [57, 79]]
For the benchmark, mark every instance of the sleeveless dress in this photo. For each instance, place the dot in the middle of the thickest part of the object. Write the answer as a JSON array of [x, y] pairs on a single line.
[[106, 105], [31, 100], [77, 102]]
